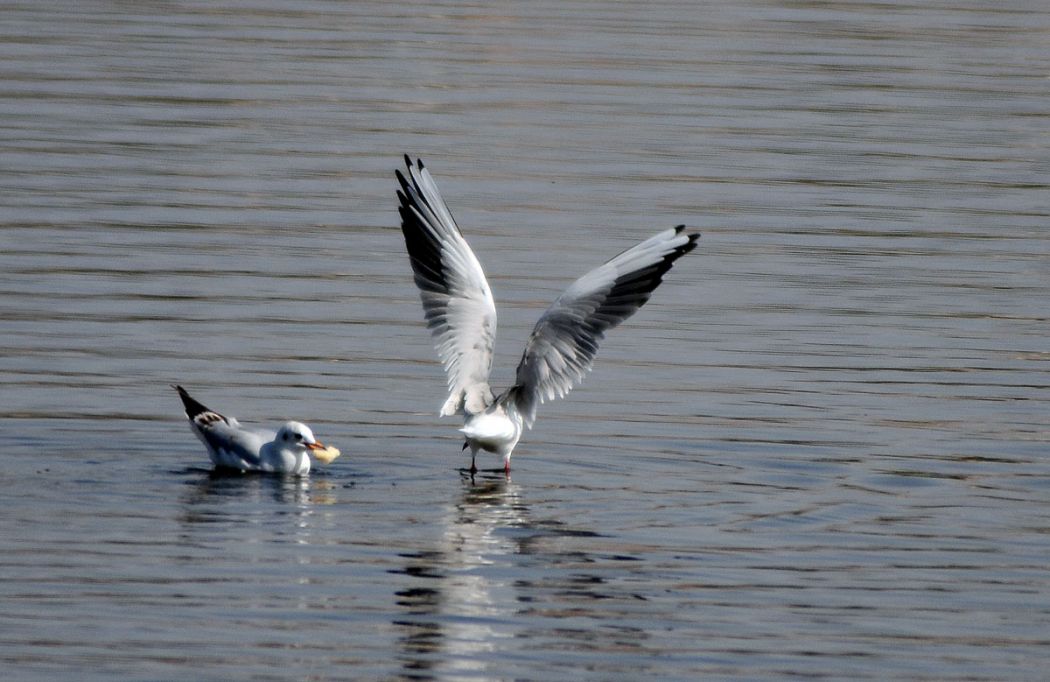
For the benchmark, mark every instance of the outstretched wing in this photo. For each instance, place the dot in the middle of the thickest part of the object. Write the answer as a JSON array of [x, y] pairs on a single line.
[[564, 341], [228, 444], [457, 301]]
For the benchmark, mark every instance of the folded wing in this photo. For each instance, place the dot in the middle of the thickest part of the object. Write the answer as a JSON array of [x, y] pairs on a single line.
[[564, 341], [457, 301], [223, 436]]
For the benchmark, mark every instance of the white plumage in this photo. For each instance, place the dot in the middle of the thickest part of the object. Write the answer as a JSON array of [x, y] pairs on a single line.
[[231, 446], [461, 315]]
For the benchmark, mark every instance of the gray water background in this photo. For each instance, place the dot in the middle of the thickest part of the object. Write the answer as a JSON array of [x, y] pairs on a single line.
[[819, 452]]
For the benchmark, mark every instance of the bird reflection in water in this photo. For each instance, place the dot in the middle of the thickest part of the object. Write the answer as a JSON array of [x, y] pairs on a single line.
[[468, 596], [456, 607], [241, 500]]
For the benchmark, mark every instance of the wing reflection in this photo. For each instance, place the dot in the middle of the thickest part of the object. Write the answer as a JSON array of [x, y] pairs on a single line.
[[460, 610], [502, 582], [498, 575]]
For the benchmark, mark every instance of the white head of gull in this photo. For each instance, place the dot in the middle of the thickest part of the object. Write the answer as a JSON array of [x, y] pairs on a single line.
[[461, 315], [231, 446]]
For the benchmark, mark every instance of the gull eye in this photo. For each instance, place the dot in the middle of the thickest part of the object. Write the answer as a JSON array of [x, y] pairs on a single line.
[[298, 436]]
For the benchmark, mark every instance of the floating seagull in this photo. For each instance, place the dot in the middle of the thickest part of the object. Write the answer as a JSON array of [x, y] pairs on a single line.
[[461, 315], [231, 446]]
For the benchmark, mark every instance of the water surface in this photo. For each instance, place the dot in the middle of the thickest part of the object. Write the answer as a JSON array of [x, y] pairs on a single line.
[[819, 452]]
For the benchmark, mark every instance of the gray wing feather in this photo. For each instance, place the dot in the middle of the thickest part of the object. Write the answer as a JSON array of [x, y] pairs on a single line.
[[563, 343], [457, 301], [228, 444]]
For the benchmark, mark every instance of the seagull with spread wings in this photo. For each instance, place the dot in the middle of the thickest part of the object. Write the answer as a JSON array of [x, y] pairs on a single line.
[[461, 315]]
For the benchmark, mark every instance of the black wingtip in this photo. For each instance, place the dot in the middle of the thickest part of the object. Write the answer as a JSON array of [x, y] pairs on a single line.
[[193, 408], [689, 245], [408, 162], [401, 181]]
